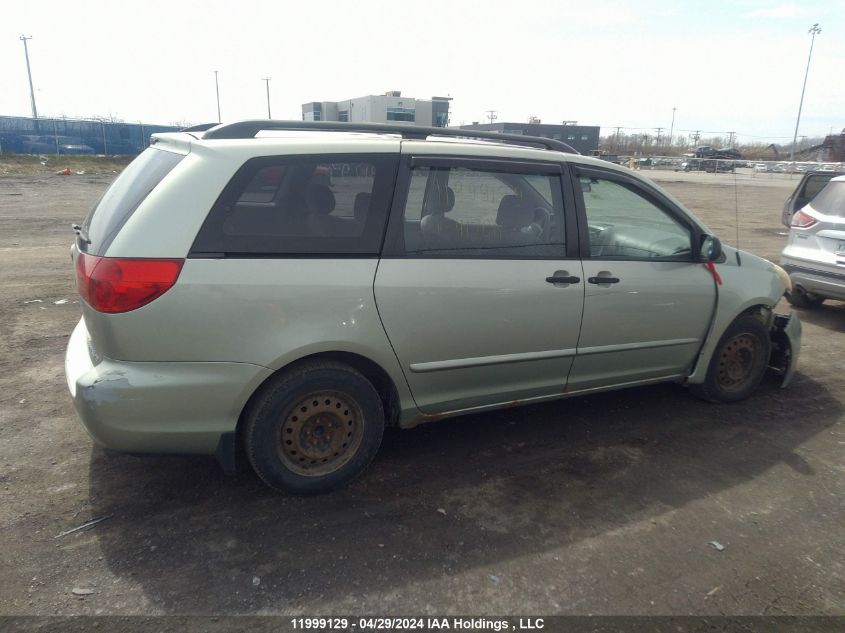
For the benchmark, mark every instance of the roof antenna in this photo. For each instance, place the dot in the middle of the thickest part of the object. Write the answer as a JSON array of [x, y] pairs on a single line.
[[736, 216]]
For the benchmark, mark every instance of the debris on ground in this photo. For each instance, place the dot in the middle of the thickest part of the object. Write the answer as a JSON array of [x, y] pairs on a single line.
[[442, 511], [34, 301], [256, 581], [63, 172], [717, 545], [81, 591], [61, 302], [713, 590], [85, 525]]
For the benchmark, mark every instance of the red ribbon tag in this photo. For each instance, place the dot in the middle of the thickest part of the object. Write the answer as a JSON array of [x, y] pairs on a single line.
[[712, 268]]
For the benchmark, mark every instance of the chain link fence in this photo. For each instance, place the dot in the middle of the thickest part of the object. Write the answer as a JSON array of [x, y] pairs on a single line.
[[724, 165], [26, 135]]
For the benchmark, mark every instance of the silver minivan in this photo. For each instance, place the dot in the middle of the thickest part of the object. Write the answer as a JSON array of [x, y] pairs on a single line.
[[283, 291]]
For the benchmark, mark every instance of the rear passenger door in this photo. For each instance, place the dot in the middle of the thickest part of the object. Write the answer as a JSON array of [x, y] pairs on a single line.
[[480, 287]]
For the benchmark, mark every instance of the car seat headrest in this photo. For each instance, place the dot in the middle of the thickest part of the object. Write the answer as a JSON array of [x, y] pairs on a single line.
[[361, 205], [513, 213], [320, 199], [440, 200]]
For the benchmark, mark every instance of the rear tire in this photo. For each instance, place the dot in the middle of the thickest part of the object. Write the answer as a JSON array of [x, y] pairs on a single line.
[[800, 298], [314, 428], [738, 363]]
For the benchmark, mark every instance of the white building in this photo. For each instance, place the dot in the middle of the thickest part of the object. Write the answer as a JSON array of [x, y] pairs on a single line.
[[390, 107]]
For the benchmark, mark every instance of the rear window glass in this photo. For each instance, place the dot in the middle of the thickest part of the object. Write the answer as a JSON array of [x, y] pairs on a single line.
[[309, 205], [813, 185], [125, 195], [831, 200]]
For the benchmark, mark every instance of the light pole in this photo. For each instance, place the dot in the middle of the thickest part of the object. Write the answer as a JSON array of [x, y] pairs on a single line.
[[672, 129], [266, 81], [815, 30], [217, 90], [23, 39]]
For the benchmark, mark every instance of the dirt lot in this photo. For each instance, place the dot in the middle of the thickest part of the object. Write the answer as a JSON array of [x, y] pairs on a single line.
[[597, 505]]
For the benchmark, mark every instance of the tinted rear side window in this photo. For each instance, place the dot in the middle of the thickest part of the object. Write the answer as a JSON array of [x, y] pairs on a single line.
[[125, 195], [831, 201], [814, 185], [301, 205]]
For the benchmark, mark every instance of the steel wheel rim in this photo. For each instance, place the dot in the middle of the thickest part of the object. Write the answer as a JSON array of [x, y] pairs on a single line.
[[320, 433], [738, 361]]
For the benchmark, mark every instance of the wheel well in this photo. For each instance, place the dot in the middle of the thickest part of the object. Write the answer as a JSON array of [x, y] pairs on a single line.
[[372, 371], [761, 312]]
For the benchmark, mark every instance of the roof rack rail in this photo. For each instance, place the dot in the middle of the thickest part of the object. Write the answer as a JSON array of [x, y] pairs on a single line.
[[249, 129], [202, 127]]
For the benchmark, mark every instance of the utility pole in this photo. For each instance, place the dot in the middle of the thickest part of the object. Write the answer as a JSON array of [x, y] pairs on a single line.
[[657, 142], [29, 74], [696, 136], [217, 90], [492, 116], [815, 30], [731, 139], [672, 129], [266, 81], [616, 141]]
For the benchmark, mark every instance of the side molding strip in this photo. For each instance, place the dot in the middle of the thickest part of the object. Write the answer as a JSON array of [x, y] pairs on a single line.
[[481, 361]]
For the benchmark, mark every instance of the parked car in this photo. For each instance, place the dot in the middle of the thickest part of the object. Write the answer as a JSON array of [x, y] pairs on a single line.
[[727, 152], [710, 165], [814, 255], [47, 144], [808, 188], [761, 167], [703, 151], [237, 302]]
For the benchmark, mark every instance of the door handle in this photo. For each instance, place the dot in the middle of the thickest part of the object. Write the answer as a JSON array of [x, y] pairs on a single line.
[[603, 280], [563, 280]]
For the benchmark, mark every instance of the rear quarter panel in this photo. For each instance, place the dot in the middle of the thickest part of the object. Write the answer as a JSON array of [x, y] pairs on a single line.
[[267, 312]]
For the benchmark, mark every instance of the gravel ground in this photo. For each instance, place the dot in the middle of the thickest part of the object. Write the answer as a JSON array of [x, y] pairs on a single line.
[[606, 504]]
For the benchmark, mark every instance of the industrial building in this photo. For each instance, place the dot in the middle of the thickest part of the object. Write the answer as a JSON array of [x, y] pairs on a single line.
[[584, 138], [391, 107]]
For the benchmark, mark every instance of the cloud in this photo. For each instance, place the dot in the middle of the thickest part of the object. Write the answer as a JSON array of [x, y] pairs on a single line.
[[782, 11]]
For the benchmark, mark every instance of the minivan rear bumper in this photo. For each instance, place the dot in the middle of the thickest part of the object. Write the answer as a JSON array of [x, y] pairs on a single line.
[[156, 407]]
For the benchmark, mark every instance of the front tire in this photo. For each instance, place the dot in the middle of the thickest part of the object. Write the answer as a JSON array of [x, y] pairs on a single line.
[[738, 363], [314, 428]]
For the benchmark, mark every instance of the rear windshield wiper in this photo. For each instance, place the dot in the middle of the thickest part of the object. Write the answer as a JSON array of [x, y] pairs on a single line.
[[81, 233]]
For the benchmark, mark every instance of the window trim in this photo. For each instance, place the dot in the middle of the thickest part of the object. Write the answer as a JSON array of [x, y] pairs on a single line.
[[394, 242], [646, 191]]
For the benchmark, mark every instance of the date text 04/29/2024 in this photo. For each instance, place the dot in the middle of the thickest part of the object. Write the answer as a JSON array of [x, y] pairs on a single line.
[[412, 623]]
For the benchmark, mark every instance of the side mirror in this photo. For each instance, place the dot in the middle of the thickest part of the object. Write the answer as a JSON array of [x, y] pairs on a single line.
[[586, 186], [711, 248]]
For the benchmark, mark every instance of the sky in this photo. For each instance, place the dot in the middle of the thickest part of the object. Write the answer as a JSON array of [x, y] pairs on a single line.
[[723, 65]]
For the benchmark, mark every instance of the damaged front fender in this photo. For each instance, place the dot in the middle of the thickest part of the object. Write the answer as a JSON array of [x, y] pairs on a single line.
[[786, 345]]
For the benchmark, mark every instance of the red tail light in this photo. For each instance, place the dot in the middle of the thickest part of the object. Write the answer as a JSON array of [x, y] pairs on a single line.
[[111, 284], [802, 220]]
